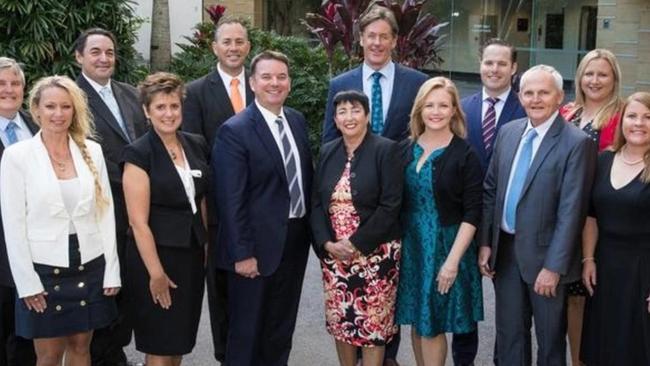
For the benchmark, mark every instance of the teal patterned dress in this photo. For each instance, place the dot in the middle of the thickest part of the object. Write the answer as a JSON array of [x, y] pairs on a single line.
[[425, 247]]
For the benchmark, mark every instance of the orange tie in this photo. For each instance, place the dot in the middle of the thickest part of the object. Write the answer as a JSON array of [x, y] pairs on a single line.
[[235, 96]]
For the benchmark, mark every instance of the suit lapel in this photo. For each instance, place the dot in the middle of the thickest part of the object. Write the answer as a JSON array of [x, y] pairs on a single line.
[[508, 109], [394, 98], [266, 137], [219, 93], [511, 143], [33, 127], [545, 147], [99, 107], [474, 115], [301, 143], [124, 105], [250, 96]]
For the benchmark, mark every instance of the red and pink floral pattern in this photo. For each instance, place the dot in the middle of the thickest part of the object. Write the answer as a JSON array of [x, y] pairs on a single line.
[[359, 293]]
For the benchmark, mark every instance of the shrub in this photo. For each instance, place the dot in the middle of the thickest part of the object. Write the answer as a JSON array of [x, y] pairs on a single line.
[[40, 34]]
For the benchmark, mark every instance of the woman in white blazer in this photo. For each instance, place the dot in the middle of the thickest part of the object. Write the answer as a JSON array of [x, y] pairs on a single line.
[[59, 227]]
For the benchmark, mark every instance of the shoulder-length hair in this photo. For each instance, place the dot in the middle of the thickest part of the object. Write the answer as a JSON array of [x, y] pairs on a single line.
[[619, 140]]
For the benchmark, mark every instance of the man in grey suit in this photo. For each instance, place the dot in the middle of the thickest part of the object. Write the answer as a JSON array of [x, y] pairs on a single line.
[[119, 119], [535, 203]]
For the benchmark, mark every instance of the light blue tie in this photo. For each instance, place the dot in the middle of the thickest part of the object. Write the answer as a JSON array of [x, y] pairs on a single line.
[[10, 131], [111, 103], [519, 177], [377, 113]]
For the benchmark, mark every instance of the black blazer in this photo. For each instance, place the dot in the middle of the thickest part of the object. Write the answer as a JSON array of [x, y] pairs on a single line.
[[170, 215], [458, 178], [376, 182], [207, 105], [5, 273], [111, 137]]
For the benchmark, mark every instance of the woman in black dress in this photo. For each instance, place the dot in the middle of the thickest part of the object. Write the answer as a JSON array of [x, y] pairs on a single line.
[[165, 180], [616, 269]]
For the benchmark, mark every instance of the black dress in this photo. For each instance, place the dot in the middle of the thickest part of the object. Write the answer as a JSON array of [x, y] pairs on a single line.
[[617, 323], [179, 237]]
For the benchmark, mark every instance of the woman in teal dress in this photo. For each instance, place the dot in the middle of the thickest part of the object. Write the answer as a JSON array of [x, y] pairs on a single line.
[[440, 285]]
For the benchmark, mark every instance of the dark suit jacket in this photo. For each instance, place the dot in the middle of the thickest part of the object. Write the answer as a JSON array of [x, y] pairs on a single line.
[[111, 137], [458, 182], [207, 105], [554, 200], [472, 107], [170, 215], [5, 272], [252, 190], [405, 86], [376, 183]]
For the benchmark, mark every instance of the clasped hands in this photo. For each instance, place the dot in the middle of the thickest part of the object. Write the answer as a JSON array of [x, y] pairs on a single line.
[[341, 250]]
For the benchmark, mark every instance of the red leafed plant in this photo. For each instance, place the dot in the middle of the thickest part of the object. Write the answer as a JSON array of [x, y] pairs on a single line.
[[215, 12], [419, 38]]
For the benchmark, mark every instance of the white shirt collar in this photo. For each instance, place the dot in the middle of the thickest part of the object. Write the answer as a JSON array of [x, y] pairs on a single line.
[[543, 128], [269, 116], [388, 71], [95, 84], [18, 119], [227, 78], [502, 97]]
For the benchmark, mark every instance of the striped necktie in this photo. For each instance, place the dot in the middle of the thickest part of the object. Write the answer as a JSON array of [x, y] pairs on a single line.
[[297, 206], [489, 123]]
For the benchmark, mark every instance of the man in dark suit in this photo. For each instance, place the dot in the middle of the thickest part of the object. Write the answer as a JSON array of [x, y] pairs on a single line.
[[390, 87], [262, 173], [486, 112], [535, 203], [15, 125], [119, 119], [497, 103], [210, 101]]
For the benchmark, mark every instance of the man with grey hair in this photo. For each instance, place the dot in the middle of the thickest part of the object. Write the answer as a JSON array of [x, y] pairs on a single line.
[[15, 125], [535, 204]]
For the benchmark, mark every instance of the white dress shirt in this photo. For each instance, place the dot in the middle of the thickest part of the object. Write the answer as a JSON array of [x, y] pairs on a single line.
[[270, 118], [386, 82], [498, 106], [541, 130], [22, 132], [226, 78]]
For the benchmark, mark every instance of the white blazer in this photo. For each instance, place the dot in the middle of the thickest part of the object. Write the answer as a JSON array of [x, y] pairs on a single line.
[[36, 222]]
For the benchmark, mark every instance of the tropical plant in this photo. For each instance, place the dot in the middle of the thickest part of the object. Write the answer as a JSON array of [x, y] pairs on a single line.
[[41, 33], [418, 41]]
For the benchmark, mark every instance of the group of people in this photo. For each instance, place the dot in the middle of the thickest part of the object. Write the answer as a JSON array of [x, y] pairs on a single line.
[[118, 203]]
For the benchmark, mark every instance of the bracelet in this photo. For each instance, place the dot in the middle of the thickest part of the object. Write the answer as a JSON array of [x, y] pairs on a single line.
[[588, 259]]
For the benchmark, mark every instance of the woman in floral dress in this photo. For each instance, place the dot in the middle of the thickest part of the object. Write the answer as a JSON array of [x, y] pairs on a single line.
[[355, 220]]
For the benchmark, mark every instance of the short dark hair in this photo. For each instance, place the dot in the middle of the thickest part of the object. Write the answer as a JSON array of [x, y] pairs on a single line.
[[268, 55], [160, 82], [498, 42], [352, 96], [376, 13], [230, 20], [80, 43]]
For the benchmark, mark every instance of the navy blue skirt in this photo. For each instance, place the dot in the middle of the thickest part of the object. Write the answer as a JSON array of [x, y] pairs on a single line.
[[75, 299]]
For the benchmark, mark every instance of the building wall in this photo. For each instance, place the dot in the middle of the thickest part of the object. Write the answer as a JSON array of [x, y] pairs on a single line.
[[624, 28], [250, 9]]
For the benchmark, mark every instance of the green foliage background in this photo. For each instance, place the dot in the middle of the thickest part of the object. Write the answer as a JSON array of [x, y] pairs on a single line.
[[309, 69], [40, 34]]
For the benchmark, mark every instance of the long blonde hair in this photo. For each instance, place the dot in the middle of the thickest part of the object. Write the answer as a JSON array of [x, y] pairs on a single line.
[[614, 103], [619, 140], [457, 123], [82, 125]]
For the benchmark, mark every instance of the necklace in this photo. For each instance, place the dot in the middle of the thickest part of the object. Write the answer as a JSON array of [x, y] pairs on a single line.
[[629, 162], [60, 165], [172, 153]]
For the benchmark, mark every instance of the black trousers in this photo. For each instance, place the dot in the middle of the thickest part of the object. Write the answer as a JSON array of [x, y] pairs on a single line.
[[464, 347], [262, 311], [14, 351], [217, 286], [107, 343]]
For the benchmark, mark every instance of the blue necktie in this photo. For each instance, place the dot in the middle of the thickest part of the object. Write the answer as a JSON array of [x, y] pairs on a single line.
[[377, 113], [10, 131], [519, 177]]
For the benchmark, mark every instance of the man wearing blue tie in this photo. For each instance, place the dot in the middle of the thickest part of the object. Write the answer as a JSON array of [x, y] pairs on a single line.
[[390, 87], [119, 120], [15, 125], [534, 207]]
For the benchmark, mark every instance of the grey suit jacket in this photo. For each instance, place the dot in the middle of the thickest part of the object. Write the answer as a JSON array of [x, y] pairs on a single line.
[[554, 200]]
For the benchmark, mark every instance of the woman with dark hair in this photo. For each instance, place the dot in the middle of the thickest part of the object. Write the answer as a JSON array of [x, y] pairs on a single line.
[[440, 285], [616, 246], [59, 227], [355, 221], [165, 181]]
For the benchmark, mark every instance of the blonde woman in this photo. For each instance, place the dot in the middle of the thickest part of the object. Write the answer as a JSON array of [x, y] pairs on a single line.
[[440, 286], [59, 227], [596, 111], [616, 246]]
